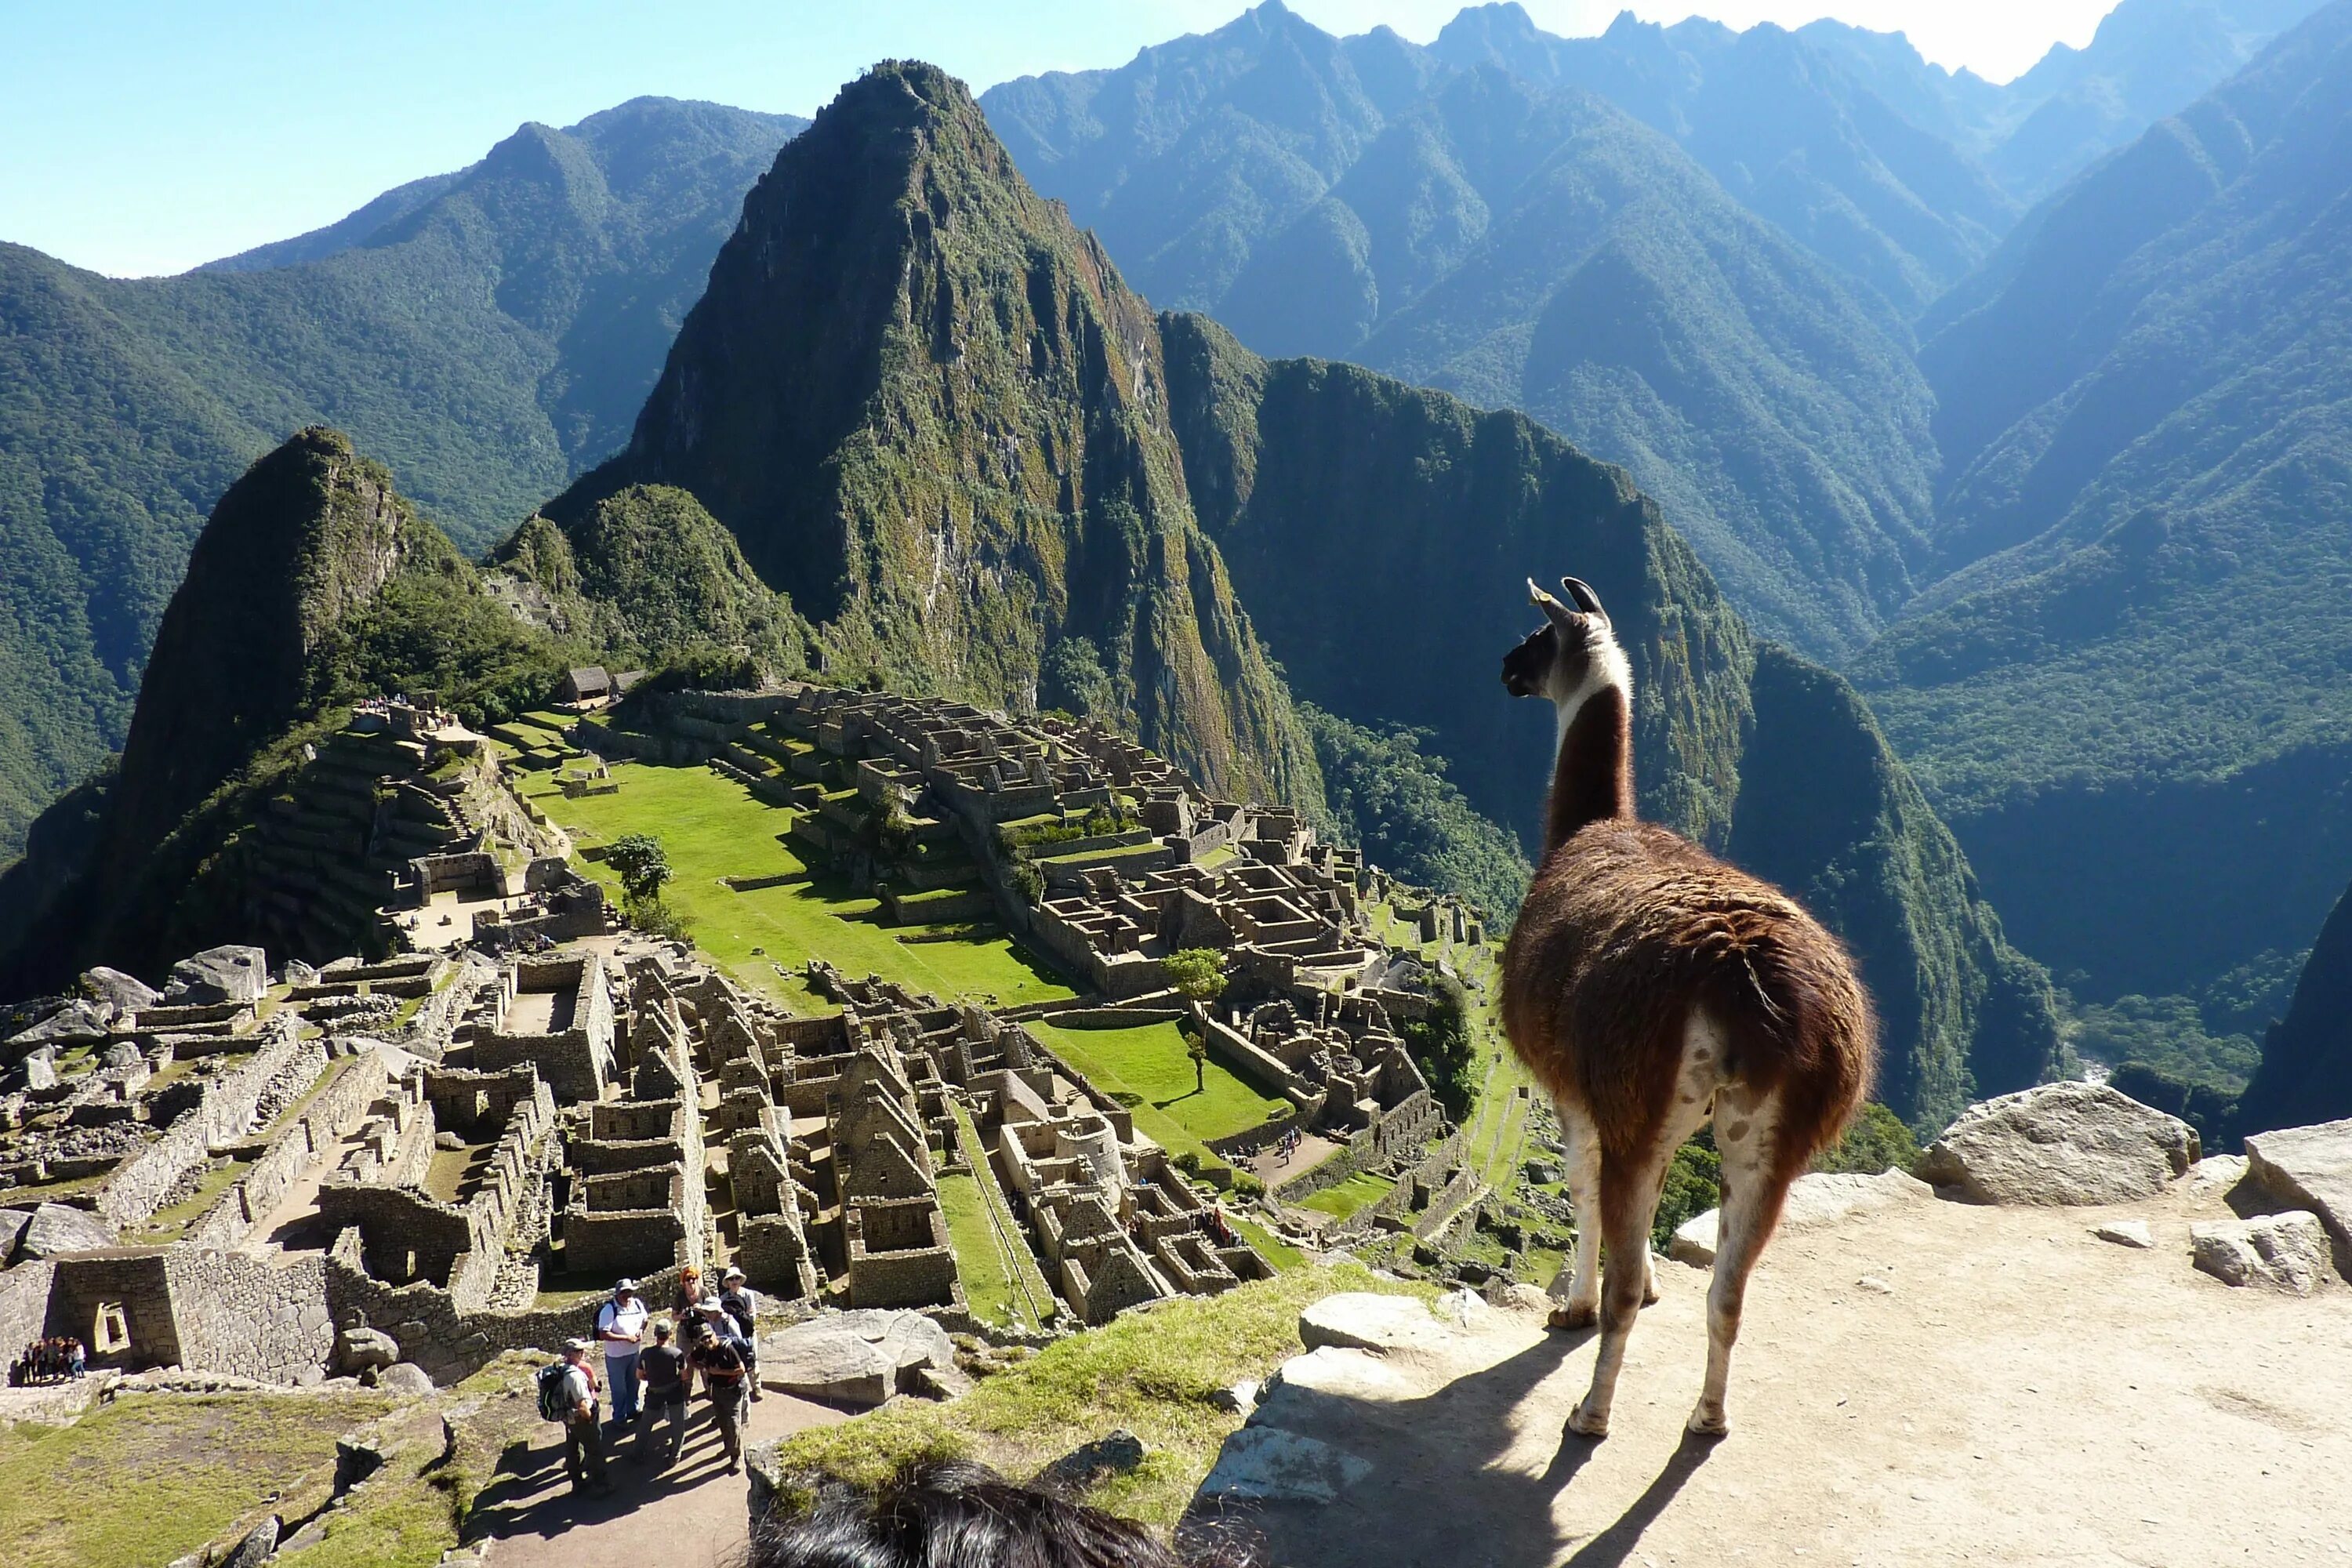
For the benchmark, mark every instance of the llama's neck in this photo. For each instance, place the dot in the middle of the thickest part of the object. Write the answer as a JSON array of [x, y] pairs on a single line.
[[1592, 771]]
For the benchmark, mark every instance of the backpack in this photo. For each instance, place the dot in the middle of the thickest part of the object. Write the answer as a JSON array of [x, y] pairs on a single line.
[[555, 1402]]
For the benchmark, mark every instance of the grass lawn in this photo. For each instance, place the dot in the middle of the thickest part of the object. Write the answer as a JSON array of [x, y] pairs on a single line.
[[1357, 1192], [1145, 1068], [167, 1224], [1001, 1277], [712, 827], [152, 1476], [1154, 1375], [1270, 1246]]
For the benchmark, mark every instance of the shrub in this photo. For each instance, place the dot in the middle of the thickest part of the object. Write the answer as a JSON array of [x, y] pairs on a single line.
[[1877, 1141]]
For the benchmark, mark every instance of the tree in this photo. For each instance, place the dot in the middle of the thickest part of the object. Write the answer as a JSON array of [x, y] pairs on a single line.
[[1442, 1045], [1196, 1046], [642, 864], [1198, 973]]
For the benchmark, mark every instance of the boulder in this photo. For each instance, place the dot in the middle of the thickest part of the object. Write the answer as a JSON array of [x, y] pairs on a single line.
[[38, 1072], [2132, 1233], [255, 1548], [404, 1378], [78, 1019], [224, 973], [359, 1348], [121, 1056], [1357, 1320], [1074, 1472], [1239, 1399], [2059, 1143], [126, 994], [1266, 1464], [296, 972], [56, 1229], [854, 1358], [2310, 1168], [1815, 1201], [2286, 1252]]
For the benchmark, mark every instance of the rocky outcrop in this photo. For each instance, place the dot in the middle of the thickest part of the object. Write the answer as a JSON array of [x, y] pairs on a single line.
[[1816, 1200], [2059, 1143], [854, 1358], [2310, 1168], [2286, 1252], [227, 973], [125, 994], [53, 1229]]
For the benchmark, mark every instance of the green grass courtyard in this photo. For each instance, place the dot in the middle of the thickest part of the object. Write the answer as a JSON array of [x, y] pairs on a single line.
[[1145, 1068]]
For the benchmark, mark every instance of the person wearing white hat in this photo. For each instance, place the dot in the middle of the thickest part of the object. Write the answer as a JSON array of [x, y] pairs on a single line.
[[621, 1325], [584, 1439], [736, 1298]]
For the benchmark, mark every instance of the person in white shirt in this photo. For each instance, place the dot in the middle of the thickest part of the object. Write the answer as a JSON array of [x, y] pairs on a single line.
[[583, 1440], [621, 1326]]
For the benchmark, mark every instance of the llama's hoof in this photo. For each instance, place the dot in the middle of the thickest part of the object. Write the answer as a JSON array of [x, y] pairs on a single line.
[[1573, 1315], [1585, 1424], [1708, 1421], [1650, 1291]]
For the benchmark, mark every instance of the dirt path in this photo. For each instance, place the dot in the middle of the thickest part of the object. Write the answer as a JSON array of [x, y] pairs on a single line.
[[692, 1517], [2010, 1390]]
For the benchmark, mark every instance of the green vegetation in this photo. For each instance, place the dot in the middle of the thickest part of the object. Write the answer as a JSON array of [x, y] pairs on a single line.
[[1359, 1191], [1444, 1046], [712, 828], [1392, 799], [1875, 1140], [1198, 973], [1154, 1375], [488, 335], [638, 860], [151, 1477], [1694, 1185], [1148, 1069]]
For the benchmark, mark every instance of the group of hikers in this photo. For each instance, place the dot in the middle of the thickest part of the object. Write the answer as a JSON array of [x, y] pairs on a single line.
[[48, 1361], [650, 1368]]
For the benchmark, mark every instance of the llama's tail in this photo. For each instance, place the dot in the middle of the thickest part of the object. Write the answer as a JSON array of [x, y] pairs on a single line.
[[1798, 1023]]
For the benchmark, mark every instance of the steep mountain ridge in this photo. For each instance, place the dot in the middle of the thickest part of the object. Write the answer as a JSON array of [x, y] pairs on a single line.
[[2145, 647], [1516, 241], [930, 411], [489, 332]]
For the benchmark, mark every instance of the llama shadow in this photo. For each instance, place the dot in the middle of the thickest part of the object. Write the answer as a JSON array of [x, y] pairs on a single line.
[[1436, 1485]]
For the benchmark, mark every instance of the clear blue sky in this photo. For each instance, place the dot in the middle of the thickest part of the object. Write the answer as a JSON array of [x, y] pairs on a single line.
[[145, 136]]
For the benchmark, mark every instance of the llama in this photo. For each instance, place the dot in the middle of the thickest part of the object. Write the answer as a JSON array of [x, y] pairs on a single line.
[[1650, 987]]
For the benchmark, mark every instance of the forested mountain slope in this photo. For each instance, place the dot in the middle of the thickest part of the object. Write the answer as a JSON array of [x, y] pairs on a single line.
[[1526, 245], [489, 332], [2132, 702]]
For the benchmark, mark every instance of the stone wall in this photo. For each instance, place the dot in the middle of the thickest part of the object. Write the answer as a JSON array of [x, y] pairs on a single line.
[[130, 1276], [239, 1315], [225, 1110], [311, 1136]]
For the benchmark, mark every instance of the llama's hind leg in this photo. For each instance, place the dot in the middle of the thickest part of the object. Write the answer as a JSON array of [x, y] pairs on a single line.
[[1576, 1289], [1746, 1129], [1628, 1204]]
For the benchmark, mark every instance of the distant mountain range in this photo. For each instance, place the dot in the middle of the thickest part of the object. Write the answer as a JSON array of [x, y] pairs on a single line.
[[490, 332]]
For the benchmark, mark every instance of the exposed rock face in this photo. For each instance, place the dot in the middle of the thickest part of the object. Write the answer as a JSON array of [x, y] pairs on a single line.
[[2311, 1168], [1362, 1321], [2059, 1143], [1815, 1199], [258, 1545], [855, 1358], [227, 974], [406, 1378], [73, 1021], [2131, 1233], [357, 1348], [55, 1229], [12, 1226], [2284, 1252], [123, 993]]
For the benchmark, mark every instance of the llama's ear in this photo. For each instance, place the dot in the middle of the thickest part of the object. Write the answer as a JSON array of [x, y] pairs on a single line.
[[1559, 615], [1586, 599]]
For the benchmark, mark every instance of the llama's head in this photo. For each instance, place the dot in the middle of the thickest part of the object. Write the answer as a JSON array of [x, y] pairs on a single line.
[[1573, 654]]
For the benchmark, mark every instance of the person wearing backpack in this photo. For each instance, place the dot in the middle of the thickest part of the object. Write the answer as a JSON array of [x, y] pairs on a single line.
[[621, 1326], [661, 1368], [735, 1299], [567, 1393], [719, 1357]]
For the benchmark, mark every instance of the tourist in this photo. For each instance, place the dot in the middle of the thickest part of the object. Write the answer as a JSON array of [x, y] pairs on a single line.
[[583, 1437], [719, 1357], [621, 1325], [954, 1511], [76, 1358], [661, 1368], [736, 1298]]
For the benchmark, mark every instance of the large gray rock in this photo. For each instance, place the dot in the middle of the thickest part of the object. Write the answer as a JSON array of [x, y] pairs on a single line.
[[854, 1358], [56, 1229], [2310, 1168], [1266, 1464], [358, 1348], [126, 994], [78, 1019], [1816, 1201], [258, 1545], [406, 1378], [38, 1072], [12, 1226], [1363, 1320], [2284, 1252], [2059, 1143], [227, 973]]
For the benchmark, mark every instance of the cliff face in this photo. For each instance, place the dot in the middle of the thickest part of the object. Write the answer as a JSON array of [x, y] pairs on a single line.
[[1382, 535], [2306, 1072], [933, 414]]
